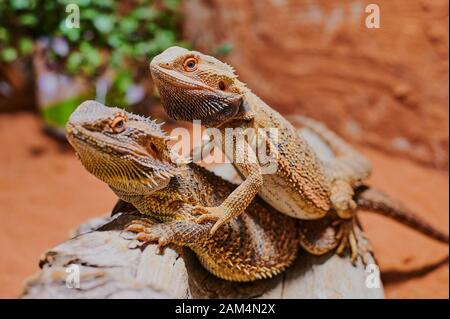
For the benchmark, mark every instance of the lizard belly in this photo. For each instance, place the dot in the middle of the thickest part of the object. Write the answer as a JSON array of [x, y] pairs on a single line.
[[279, 195]]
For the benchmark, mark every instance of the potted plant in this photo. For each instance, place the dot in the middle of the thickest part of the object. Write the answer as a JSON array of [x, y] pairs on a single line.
[[98, 49]]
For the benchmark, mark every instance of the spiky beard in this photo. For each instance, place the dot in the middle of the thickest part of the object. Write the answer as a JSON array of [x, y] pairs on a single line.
[[131, 175], [212, 108]]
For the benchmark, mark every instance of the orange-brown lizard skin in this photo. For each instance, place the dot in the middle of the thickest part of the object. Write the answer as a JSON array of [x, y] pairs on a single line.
[[130, 154], [195, 86]]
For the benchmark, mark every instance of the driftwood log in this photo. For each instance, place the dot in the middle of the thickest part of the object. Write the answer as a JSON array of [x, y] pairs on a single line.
[[112, 265], [109, 263]]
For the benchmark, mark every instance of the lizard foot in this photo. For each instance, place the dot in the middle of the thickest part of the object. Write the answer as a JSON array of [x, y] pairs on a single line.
[[342, 199], [351, 236], [148, 232], [218, 214], [344, 208]]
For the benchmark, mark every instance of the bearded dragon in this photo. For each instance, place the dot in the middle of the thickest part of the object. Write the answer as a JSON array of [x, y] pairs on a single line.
[[195, 86], [130, 153]]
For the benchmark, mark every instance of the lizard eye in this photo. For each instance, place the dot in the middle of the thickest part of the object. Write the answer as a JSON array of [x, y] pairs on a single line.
[[190, 64], [118, 124]]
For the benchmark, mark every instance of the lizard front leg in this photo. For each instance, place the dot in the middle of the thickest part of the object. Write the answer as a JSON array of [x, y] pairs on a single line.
[[178, 232], [235, 204], [341, 196]]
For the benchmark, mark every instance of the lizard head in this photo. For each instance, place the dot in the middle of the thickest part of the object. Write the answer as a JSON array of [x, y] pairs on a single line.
[[127, 151], [195, 86]]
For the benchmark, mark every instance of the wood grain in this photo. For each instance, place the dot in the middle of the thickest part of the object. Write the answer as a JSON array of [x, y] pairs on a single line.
[[112, 265]]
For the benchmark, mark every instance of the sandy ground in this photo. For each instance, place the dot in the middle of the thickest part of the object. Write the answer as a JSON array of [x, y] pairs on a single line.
[[45, 193]]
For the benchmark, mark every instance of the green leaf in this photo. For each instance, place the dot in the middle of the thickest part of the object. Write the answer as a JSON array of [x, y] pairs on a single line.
[[51, 5], [93, 57], [123, 81], [80, 3], [152, 27], [142, 49], [90, 55], [117, 59], [104, 23], [225, 48], [184, 44], [126, 49], [172, 4], [58, 113], [145, 28], [72, 34], [144, 13], [128, 25], [164, 39], [85, 46], [20, 4], [25, 46], [9, 54], [28, 19], [87, 69], [4, 35], [74, 61], [103, 3], [89, 14], [114, 40]]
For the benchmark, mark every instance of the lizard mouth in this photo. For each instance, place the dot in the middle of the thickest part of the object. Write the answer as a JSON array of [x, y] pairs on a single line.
[[188, 99]]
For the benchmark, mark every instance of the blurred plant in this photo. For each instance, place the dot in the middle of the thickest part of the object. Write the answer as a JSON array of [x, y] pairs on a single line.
[[224, 48], [112, 34]]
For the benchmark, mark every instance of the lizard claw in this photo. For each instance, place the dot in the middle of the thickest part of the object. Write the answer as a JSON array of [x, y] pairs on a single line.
[[351, 237], [148, 234], [218, 214]]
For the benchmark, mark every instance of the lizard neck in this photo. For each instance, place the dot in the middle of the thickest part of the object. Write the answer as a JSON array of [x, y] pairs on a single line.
[[162, 202], [246, 113]]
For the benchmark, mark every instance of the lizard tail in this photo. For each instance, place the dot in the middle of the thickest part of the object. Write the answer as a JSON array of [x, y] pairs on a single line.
[[378, 202]]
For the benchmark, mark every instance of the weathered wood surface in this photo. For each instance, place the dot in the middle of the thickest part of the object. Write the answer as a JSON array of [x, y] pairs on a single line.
[[113, 265]]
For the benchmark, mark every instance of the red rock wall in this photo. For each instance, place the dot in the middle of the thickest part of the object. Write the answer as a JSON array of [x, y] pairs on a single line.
[[385, 87]]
